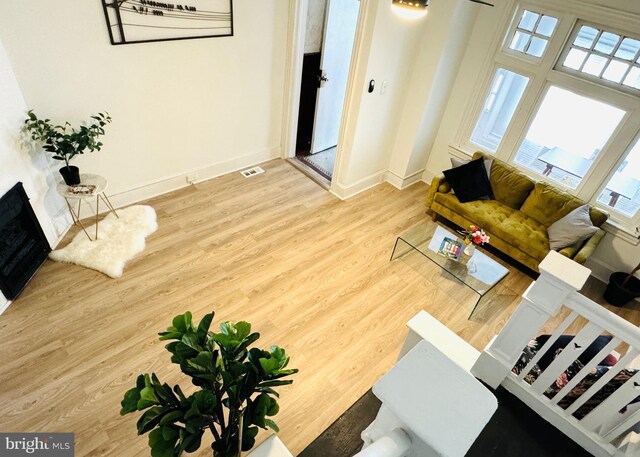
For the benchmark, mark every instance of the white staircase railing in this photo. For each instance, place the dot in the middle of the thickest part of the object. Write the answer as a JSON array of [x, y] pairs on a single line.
[[606, 430]]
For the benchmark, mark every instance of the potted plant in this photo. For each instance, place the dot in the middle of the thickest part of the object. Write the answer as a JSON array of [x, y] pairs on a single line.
[[623, 287], [236, 390], [65, 141]]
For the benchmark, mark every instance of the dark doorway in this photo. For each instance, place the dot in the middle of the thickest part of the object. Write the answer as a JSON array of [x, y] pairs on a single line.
[[308, 94]]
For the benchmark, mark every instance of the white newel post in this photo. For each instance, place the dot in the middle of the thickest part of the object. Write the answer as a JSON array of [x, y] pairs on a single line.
[[559, 277]]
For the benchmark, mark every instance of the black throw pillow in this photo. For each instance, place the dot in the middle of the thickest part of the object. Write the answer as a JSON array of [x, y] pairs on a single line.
[[564, 341], [470, 181]]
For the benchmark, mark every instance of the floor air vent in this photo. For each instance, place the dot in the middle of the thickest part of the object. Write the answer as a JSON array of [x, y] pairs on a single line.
[[251, 172]]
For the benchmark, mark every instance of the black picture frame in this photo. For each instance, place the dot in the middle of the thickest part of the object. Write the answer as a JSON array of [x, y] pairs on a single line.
[[148, 21]]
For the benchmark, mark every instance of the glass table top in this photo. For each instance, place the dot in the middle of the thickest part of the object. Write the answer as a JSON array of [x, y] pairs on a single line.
[[478, 271]]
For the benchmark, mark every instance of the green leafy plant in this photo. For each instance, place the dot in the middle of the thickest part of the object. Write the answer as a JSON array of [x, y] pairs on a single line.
[[65, 141], [236, 390]]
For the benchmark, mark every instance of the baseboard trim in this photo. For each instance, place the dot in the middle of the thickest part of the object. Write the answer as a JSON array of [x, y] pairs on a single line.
[[599, 269], [400, 182], [179, 181], [428, 175], [345, 192]]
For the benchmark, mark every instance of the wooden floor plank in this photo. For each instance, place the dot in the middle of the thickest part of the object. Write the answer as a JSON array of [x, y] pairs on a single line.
[[310, 272]]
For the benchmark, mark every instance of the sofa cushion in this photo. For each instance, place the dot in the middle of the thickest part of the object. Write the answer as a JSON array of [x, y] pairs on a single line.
[[509, 185], [485, 213], [469, 181], [597, 216], [575, 226], [571, 251], [444, 187], [508, 224], [547, 204], [525, 234]]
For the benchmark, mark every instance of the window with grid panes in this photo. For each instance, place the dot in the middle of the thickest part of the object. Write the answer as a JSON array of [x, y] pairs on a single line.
[[598, 54], [573, 131]]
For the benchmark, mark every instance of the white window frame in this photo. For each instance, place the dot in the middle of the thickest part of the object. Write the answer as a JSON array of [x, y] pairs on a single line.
[[597, 79], [542, 73], [514, 27], [477, 110], [582, 91], [531, 67], [620, 217]]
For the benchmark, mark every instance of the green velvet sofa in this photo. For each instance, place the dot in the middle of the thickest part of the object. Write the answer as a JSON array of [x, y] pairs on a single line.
[[518, 216]]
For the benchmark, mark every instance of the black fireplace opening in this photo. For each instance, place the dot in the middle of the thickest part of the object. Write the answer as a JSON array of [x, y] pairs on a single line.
[[23, 245]]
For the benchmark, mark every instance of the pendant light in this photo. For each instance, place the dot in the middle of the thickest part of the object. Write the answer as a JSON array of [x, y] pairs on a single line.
[[412, 9]]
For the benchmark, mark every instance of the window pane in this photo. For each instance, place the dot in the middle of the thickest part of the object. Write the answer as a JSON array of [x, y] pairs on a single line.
[[546, 26], [633, 78], [607, 42], [604, 56], [594, 65], [503, 99], [566, 136], [615, 71], [622, 192], [574, 59], [585, 37], [519, 42], [537, 47], [628, 49], [528, 21]]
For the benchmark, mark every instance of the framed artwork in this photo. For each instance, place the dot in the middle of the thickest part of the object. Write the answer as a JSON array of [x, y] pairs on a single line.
[[144, 21]]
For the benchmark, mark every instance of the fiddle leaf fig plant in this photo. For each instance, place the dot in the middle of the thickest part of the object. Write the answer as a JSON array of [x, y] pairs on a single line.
[[236, 390]]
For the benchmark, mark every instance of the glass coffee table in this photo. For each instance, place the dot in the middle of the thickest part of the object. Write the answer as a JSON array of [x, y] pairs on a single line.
[[478, 271]]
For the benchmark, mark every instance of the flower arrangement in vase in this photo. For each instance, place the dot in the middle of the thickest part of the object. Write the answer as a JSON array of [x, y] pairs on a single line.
[[473, 236]]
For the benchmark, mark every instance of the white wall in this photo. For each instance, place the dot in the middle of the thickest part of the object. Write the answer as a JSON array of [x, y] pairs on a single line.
[[19, 164], [212, 105], [632, 6], [314, 33], [391, 48], [613, 253], [442, 47], [390, 133]]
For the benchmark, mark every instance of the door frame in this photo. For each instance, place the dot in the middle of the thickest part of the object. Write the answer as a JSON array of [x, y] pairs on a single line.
[[293, 79]]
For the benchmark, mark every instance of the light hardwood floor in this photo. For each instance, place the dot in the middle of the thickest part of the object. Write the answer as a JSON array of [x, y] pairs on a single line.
[[310, 272]]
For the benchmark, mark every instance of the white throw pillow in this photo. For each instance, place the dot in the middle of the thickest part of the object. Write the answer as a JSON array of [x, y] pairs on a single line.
[[575, 226]]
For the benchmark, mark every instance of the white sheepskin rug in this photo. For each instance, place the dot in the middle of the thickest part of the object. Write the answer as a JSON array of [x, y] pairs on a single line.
[[119, 240]]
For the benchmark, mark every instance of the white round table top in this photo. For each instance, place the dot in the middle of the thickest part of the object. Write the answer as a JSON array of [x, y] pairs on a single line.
[[86, 179]]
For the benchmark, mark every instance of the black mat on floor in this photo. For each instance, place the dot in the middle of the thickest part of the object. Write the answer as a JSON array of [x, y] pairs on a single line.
[[514, 430], [342, 438]]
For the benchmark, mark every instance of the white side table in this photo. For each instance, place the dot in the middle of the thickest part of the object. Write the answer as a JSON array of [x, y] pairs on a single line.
[[98, 193]]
